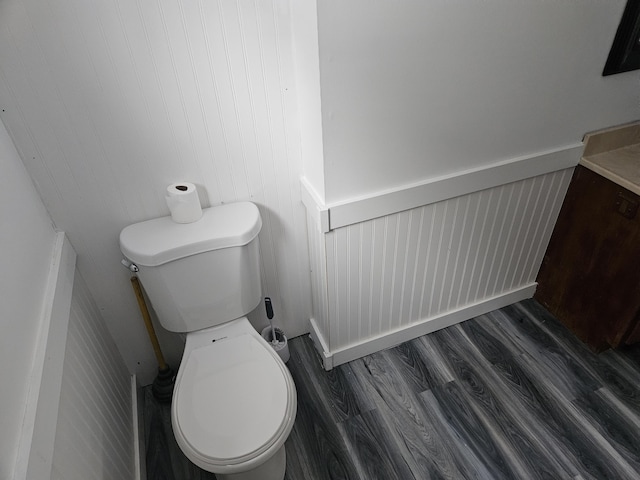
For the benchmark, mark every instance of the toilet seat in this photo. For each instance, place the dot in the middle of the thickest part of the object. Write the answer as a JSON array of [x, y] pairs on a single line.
[[232, 402]]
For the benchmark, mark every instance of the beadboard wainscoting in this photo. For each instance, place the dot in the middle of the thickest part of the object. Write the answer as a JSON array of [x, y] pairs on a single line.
[[79, 417], [38, 428], [94, 437], [382, 281]]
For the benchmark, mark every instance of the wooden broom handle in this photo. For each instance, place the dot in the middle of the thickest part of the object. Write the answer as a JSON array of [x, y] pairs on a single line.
[[147, 322]]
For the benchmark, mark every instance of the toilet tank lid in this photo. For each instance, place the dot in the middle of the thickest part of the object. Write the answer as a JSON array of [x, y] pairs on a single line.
[[161, 240]]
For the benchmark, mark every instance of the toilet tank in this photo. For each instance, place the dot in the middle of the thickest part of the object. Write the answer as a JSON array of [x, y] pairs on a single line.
[[200, 274]]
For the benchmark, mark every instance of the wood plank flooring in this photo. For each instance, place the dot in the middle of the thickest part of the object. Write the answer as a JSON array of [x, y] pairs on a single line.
[[507, 395]]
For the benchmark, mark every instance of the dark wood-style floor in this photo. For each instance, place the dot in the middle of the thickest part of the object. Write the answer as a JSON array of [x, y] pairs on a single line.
[[508, 395]]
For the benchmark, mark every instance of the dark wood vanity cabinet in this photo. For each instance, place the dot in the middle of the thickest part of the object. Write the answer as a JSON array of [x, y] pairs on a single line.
[[590, 275]]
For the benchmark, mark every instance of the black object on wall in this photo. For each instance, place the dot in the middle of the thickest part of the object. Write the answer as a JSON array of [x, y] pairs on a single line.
[[625, 51]]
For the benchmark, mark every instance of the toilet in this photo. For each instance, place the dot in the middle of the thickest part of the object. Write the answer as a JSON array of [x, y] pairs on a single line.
[[234, 401]]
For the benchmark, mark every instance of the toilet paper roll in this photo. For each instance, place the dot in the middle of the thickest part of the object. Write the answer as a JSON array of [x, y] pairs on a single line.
[[183, 202]]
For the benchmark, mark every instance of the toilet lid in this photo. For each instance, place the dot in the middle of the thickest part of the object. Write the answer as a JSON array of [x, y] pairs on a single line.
[[231, 400]]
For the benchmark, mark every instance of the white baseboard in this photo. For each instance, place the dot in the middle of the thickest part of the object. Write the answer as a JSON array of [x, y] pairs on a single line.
[[391, 339], [321, 345], [139, 445]]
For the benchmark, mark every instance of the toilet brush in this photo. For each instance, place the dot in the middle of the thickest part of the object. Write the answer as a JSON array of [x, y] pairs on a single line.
[[278, 338], [162, 387], [269, 308]]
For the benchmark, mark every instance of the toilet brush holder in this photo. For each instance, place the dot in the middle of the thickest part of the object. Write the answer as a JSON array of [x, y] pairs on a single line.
[[279, 344]]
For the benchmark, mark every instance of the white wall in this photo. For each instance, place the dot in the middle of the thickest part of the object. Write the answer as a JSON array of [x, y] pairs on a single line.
[[26, 246], [413, 90], [109, 102]]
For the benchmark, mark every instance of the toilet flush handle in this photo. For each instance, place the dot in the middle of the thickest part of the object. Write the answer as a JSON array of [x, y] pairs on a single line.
[[133, 268]]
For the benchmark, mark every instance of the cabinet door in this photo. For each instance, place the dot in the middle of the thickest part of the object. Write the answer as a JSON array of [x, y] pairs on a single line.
[[590, 275], [634, 334]]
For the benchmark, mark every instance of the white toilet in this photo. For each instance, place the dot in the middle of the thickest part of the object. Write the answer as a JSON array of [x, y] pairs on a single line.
[[234, 401]]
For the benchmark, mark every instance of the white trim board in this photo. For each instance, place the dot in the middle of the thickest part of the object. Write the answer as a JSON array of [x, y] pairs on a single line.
[[321, 345], [341, 214], [315, 208], [139, 445], [429, 325], [35, 450]]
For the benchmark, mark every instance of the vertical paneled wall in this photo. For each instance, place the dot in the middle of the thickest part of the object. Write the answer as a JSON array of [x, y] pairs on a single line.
[[318, 264], [94, 435], [110, 101], [390, 273]]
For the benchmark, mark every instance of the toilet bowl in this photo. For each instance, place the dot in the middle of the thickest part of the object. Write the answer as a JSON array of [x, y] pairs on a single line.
[[234, 403]]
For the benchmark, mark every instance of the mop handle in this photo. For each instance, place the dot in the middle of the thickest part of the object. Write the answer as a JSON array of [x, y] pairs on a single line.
[[162, 365]]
